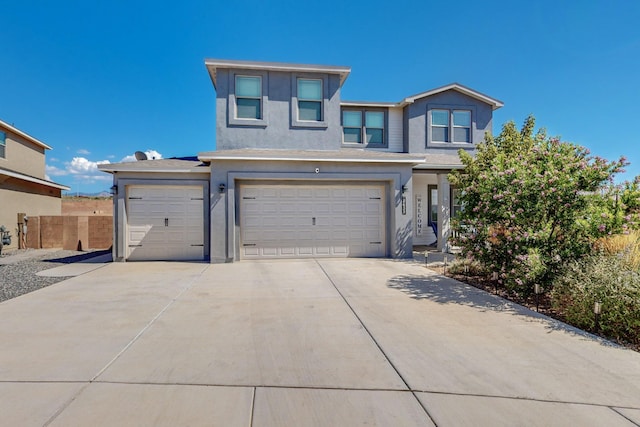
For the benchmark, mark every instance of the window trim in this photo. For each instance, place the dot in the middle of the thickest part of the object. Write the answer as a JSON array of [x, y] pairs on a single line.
[[430, 204], [3, 144], [232, 114], [324, 113], [450, 108], [363, 128], [238, 97]]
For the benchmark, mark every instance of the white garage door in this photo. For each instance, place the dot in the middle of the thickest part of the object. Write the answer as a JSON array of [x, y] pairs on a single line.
[[165, 222], [297, 221]]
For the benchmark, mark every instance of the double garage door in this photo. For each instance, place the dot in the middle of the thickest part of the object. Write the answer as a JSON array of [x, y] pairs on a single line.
[[165, 222], [298, 221]]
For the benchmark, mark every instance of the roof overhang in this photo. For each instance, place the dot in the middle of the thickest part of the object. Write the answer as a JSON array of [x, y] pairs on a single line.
[[214, 64], [341, 156], [156, 166], [32, 179], [495, 103], [24, 135]]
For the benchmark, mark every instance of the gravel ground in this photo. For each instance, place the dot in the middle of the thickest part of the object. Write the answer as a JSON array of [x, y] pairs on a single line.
[[20, 278]]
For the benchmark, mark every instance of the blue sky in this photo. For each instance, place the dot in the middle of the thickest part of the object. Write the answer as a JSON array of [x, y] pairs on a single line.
[[98, 80]]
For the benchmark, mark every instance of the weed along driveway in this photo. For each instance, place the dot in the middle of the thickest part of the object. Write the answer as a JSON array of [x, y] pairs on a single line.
[[336, 342]]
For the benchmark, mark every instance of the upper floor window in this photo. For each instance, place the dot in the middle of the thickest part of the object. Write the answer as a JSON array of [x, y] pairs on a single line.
[[309, 100], [248, 97], [450, 125], [3, 145], [359, 123]]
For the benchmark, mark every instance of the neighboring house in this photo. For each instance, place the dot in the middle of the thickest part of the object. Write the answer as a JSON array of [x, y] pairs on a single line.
[[23, 185], [298, 172]]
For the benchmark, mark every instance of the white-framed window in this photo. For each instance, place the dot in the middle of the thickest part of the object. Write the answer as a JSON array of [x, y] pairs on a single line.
[[3, 145], [450, 125], [309, 96], [461, 126], [352, 127], [248, 94], [359, 124]]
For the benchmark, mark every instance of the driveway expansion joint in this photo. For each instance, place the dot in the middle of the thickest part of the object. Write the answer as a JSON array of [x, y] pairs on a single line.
[[377, 344]]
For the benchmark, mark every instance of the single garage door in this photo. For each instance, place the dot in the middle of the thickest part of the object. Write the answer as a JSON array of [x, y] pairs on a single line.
[[297, 221], [165, 222]]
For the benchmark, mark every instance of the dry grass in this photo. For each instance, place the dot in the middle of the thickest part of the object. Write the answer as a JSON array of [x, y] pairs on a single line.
[[627, 246]]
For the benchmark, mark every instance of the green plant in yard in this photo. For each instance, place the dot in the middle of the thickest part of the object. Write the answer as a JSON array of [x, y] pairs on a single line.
[[608, 280], [524, 195], [615, 209]]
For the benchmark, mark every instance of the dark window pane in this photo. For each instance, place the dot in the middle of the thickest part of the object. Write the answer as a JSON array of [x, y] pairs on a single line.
[[247, 108], [440, 134], [2, 151], [309, 110], [352, 135], [375, 136], [461, 135]]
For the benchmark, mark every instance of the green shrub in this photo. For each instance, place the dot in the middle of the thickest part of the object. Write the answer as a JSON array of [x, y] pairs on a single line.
[[468, 267], [607, 279], [525, 198]]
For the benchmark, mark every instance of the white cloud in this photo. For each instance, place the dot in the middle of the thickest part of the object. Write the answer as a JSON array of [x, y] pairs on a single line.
[[83, 166], [54, 171], [151, 154], [83, 152]]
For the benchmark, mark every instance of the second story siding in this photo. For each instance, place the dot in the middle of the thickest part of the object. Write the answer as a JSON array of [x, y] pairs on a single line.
[[20, 153], [283, 118], [446, 122]]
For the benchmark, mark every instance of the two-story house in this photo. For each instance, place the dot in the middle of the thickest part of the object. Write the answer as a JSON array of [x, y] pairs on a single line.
[[298, 172], [23, 185]]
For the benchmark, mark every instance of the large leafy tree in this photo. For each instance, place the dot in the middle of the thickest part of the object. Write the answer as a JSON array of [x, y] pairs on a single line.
[[525, 199]]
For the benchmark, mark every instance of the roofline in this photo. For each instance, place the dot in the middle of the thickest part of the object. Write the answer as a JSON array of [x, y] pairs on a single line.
[[24, 135], [368, 104], [33, 179], [213, 64], [208, 157], [427, 165], [495, 103], [168, 170]]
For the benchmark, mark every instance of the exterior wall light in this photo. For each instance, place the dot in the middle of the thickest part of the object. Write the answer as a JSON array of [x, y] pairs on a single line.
[[114, 189], [221, 188]]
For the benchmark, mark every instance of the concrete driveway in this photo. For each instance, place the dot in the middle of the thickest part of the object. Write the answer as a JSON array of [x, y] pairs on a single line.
[[298, 343]]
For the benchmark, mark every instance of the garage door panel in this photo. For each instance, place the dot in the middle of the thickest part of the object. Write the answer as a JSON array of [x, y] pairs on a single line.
[[165, 222], [308, 221]]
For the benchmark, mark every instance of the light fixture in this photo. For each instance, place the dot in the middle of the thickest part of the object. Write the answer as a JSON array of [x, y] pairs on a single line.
[[221, 188], [404, 189], [114, 189], [537, 289], [597, 309]]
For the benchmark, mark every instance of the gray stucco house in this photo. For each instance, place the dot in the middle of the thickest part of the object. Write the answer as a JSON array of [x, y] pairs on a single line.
[[299, 172]]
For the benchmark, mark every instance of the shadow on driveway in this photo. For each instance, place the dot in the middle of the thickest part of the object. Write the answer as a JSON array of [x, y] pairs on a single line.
[[444, 290]]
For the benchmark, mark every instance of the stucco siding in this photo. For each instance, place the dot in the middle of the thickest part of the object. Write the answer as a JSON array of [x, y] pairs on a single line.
[[224, 206], [32, 199], [417, 118], [276, 129], [23, 156]]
